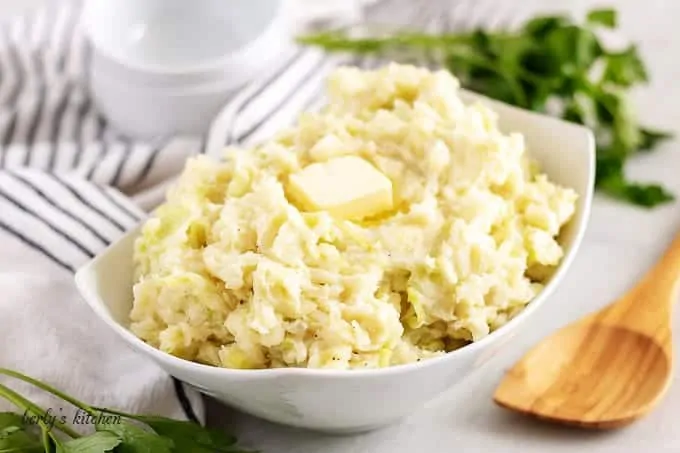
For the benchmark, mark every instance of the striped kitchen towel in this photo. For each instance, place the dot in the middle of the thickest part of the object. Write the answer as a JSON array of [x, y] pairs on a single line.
[[70, 185]]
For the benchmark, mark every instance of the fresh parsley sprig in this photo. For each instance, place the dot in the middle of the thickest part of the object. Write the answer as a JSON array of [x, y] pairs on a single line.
[[115, 431], [551, 64]]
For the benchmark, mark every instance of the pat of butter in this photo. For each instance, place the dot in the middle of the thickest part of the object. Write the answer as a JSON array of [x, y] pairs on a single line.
[[347, 187]]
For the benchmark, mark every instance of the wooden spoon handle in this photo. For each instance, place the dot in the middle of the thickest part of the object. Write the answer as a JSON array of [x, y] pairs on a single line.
[[648, 306]]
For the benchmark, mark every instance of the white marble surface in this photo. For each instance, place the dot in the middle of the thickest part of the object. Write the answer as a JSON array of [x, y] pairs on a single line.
[[621, 242]]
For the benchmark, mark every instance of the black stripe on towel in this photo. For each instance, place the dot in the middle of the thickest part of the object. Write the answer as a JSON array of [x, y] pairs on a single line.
[[66, 40], [292, 92], [184, 400], [64, 235], [101, 155], [83, 110], [146, 169], [9, 80], [100, 198], [124, 157], [106, 193], [57, 205], [277, 74], [88, 203], [57, 119], [35, 246], [18, 67], [203, 145], [271, 79], [101, 126], [9, 131], [35, 122], [43, 27], [78, 131]]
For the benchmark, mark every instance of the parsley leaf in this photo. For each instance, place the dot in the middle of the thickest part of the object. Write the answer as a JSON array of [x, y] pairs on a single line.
[[649, 138], [99, 442], [605, 17], [134, 439], [10, 419], [625, 68], [645, 195], [577, 48], [14, 435], [191, 436], [539, 27], [610, 177], [19, 440]]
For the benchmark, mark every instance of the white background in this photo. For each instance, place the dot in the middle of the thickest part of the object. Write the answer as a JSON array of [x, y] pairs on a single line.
[[621, 243]]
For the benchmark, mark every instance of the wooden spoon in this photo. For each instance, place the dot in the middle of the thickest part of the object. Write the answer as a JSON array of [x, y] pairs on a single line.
[[608, 369]]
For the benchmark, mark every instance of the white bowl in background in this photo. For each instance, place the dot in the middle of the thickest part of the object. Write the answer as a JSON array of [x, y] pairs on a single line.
[[237, 67], [176, 36], [165, 67], [359, 400], [149, 113]]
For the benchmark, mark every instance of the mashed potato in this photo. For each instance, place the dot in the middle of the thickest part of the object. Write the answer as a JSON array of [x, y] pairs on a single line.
[[231, 272]]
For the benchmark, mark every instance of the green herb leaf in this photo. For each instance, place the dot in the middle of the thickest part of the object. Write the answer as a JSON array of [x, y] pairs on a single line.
[[574, 113], [135, 439], [645, 195], [541, 26], [188, 436], [16, 439], [626, 133], [10, 419], [610, 177], [624, 68], [99, 442], [650, 139], [540, 62], [605, 17], [578, 48]]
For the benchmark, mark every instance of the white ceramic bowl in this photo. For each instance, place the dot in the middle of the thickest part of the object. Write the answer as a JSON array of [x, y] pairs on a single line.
[[150, 112], [176, 36], [358, 400], [165, 67]]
